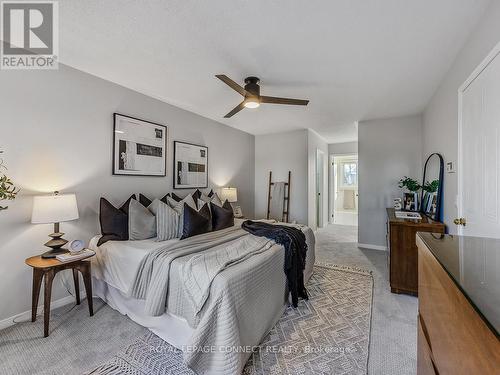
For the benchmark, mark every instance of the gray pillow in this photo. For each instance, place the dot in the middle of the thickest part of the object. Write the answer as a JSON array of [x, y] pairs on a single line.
[[179, 208], [206, 199], [167, 220], [141, 222]]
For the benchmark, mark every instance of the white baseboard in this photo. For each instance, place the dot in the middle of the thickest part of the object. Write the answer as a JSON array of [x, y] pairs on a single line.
[[26, 316], [372, 247]]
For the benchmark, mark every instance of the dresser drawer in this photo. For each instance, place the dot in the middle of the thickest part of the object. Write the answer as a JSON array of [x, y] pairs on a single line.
[[425, 364]]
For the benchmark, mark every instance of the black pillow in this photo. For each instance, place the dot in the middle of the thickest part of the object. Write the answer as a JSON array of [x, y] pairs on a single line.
[[114, 221], [145, 201], [222, 217], [211, 193], [196, 195], [175, 197], [164, 199], [196, 222]]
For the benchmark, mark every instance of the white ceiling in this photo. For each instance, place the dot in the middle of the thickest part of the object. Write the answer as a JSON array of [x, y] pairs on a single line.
[[354, 59]]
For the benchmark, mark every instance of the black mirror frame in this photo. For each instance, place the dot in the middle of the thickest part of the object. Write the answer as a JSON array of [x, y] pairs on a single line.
[[439, 214]]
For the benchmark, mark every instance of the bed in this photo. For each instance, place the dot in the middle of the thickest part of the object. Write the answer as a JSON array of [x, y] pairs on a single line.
[[244, 302]]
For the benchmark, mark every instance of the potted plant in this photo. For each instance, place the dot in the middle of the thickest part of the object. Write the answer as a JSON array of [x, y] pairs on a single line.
[[410, 200], [8, 191]]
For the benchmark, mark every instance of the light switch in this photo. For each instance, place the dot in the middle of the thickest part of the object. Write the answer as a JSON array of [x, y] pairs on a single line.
[[450, 167]]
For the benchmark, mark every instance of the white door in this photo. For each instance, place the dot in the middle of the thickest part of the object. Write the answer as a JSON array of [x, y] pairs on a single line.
[[479, 151]]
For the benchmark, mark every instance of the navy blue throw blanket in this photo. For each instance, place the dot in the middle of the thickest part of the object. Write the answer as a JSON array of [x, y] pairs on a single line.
[[294, 242]]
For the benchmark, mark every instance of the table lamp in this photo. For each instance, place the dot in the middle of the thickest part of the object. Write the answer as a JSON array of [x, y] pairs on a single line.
[[53, 209], [230, 194]]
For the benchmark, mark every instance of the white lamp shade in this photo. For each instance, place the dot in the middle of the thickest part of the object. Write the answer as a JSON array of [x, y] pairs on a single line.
[[49, 209], [230, 194]]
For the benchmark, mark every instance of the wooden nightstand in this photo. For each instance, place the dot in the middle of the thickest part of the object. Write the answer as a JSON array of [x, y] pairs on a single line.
[[47, 269]]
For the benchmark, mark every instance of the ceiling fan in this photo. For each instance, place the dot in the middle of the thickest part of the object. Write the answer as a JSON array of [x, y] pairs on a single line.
[[251, 93]]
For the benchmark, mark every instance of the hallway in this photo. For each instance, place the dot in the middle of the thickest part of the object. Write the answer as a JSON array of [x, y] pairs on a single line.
[[393, 343]]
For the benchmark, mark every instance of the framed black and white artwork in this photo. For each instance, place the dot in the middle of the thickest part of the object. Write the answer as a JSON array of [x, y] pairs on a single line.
[[190, 166], [139, 147]]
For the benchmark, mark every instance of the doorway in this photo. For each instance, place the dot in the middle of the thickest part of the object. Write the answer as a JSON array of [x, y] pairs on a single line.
[[344, 202], [479, 142], [320, 181]]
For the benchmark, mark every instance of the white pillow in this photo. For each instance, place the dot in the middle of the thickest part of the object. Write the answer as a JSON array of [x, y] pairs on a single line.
[[167, 220]]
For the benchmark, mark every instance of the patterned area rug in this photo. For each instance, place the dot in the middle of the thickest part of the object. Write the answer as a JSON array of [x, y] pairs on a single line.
[[328, 334]]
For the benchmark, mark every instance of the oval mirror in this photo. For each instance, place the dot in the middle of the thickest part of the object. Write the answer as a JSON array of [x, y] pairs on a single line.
[[432, 187]]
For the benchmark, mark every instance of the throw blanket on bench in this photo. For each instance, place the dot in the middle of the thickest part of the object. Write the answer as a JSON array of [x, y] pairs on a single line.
[[294, 242]]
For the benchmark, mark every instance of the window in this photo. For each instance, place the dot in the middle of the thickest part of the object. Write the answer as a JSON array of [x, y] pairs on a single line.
[[350, 174]]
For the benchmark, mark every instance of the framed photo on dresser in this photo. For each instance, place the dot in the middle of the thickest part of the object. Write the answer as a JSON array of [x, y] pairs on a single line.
[[139, 147], [190, 166]]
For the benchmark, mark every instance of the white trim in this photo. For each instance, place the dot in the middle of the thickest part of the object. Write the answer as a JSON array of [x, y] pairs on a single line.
[[26, 316], [479, 69], [372, 247]]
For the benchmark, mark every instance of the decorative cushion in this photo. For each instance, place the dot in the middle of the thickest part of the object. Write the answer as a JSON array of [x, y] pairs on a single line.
[[206, 199], [114, 221], [179, 208], [164, 199], [211, 193], [222, 217], [141, 222], [176, 197], [145, 201], [196, 195], [167, 220], [195, 222]]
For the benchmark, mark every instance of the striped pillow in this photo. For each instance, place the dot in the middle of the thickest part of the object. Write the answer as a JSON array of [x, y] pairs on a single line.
[[167, 220], [179, 208]]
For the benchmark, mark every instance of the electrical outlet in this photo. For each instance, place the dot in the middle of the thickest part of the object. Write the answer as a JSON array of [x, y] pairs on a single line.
[[450, 167]]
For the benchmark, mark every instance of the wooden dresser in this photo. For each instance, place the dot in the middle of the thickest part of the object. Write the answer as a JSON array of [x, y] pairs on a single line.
[[403, 253], [459, 305]]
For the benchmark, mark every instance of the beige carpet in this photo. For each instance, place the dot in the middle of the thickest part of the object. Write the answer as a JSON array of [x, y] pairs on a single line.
[[328, 334]]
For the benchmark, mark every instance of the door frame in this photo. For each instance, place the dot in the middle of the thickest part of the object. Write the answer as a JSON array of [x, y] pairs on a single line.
[[461, 90], [319, 213], [332, 183]]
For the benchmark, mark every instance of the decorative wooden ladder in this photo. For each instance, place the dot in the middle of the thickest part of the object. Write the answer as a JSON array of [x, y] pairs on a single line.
[[286, 198]]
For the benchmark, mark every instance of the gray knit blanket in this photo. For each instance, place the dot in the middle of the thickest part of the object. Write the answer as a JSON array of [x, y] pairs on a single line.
[[151, 280]]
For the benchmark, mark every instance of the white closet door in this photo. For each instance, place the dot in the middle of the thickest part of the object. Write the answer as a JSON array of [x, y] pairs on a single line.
[[480, 154]]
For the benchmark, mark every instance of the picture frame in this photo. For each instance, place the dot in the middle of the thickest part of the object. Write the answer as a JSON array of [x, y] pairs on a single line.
[[139, 147], [190, 166], [410, 202]]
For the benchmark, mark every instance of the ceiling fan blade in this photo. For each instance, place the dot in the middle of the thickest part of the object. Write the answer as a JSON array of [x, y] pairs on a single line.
[[235, 110], [228, 81], [274, 100]]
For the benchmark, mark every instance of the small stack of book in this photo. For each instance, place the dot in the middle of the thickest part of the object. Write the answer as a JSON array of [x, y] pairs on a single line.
[[71, 257]]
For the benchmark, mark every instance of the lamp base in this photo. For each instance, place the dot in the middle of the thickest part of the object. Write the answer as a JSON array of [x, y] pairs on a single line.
[[51, 254], [56, 243]]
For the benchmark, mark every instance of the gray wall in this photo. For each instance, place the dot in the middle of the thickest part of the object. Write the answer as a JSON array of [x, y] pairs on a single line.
[[388, 150], [280, 153], [56, 130], [343, 148], [440, 120]]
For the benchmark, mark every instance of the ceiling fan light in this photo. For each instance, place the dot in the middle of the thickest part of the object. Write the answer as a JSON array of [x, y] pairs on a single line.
[[251, 102]]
